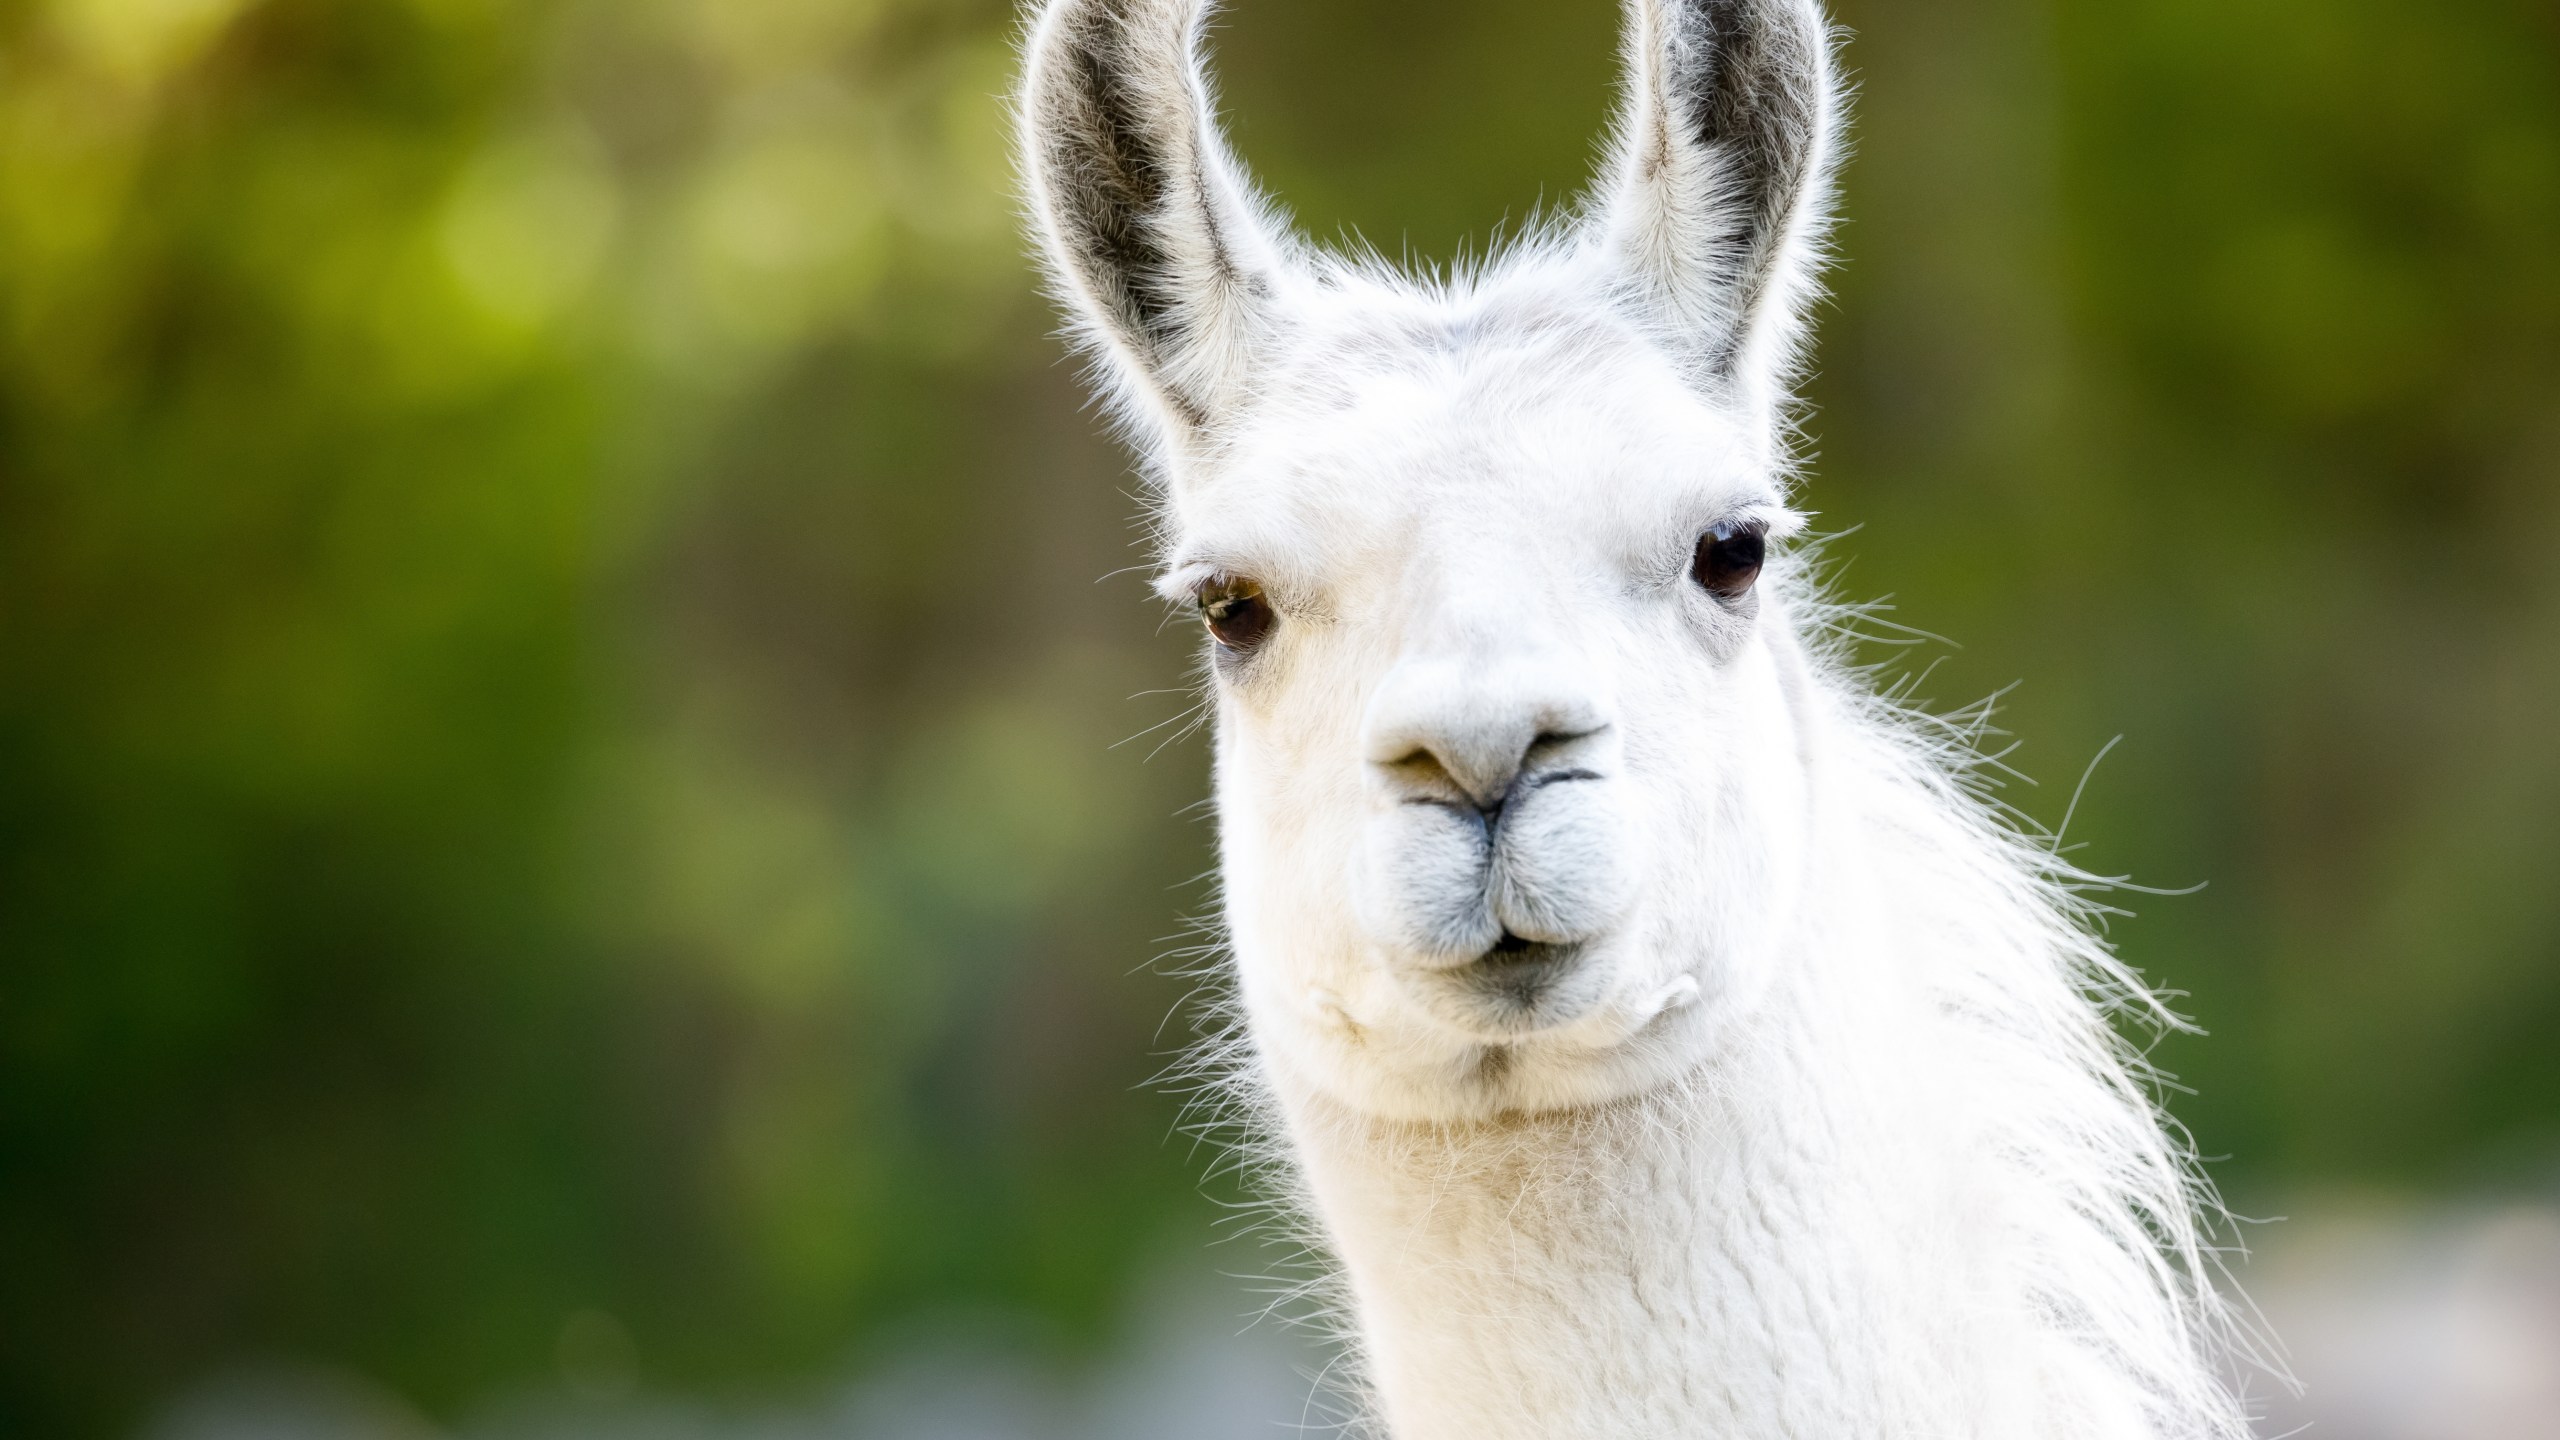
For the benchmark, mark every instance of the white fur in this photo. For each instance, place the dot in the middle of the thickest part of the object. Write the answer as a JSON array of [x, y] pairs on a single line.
[[1818, 1128]]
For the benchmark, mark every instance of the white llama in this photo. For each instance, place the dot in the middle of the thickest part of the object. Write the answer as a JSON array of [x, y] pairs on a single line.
[[1664, 1038]]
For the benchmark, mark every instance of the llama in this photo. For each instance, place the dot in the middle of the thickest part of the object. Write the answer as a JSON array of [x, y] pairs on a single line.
[[1664, 1035]]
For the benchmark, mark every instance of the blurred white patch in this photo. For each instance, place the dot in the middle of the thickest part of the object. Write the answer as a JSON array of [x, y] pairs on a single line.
[[289, 1403], [1188, 1368], [2444, 1327]]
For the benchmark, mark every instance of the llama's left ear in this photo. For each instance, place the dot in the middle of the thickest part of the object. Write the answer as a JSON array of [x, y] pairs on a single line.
[[1718, 192], [1151, 234]]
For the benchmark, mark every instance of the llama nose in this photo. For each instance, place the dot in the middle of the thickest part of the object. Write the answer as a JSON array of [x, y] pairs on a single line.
[[1445, 730]]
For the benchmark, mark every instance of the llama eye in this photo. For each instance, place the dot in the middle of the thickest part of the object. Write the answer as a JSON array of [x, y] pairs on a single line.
[[1728, 559], [1238, 616]]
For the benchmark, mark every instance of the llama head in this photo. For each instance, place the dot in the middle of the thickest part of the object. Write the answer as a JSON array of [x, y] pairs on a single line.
[[1510, 778]]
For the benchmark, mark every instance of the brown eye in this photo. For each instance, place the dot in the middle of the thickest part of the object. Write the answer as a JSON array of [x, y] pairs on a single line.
[[1238, 617], [1728, 559]]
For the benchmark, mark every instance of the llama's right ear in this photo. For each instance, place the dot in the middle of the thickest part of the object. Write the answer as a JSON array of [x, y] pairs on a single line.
[[1721, 180], [1149, 230]]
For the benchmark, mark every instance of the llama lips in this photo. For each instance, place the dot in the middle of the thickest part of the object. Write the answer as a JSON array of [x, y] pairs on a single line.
[[1519, 974]]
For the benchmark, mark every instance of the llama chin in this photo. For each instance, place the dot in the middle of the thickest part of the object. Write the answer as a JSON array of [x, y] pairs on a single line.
[[1649, 1020]]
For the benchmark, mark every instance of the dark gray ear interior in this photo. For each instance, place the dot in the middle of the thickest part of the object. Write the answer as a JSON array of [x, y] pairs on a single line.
[[1142, 215], [1757, 89], [1114, 171], [1724, 153]]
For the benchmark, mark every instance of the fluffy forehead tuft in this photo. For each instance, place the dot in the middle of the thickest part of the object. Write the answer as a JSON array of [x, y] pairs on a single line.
[[1390, 412], [1511, 336]]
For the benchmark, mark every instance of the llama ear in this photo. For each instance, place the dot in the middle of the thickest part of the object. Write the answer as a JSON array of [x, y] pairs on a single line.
[[1719, 185], [1149, 230]]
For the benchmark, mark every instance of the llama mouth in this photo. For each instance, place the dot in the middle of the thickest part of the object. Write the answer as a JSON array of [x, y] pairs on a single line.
[[1518, 973]]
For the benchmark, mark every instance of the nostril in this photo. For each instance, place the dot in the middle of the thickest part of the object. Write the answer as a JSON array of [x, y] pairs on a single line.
[[1553, 739], [1424, 770], [1445, 733], [1428, 771], [1427, 779]]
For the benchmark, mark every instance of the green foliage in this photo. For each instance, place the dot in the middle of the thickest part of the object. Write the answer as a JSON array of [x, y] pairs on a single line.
[[556, 732]]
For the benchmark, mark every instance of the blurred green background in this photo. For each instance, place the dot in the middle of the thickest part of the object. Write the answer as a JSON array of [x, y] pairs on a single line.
[[561, 651]]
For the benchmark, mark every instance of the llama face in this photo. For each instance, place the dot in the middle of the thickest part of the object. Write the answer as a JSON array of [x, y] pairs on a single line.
[[1508, 794], [1509, 776]]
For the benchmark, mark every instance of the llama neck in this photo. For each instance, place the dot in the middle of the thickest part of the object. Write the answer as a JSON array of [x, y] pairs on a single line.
[[1757, 1252]]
